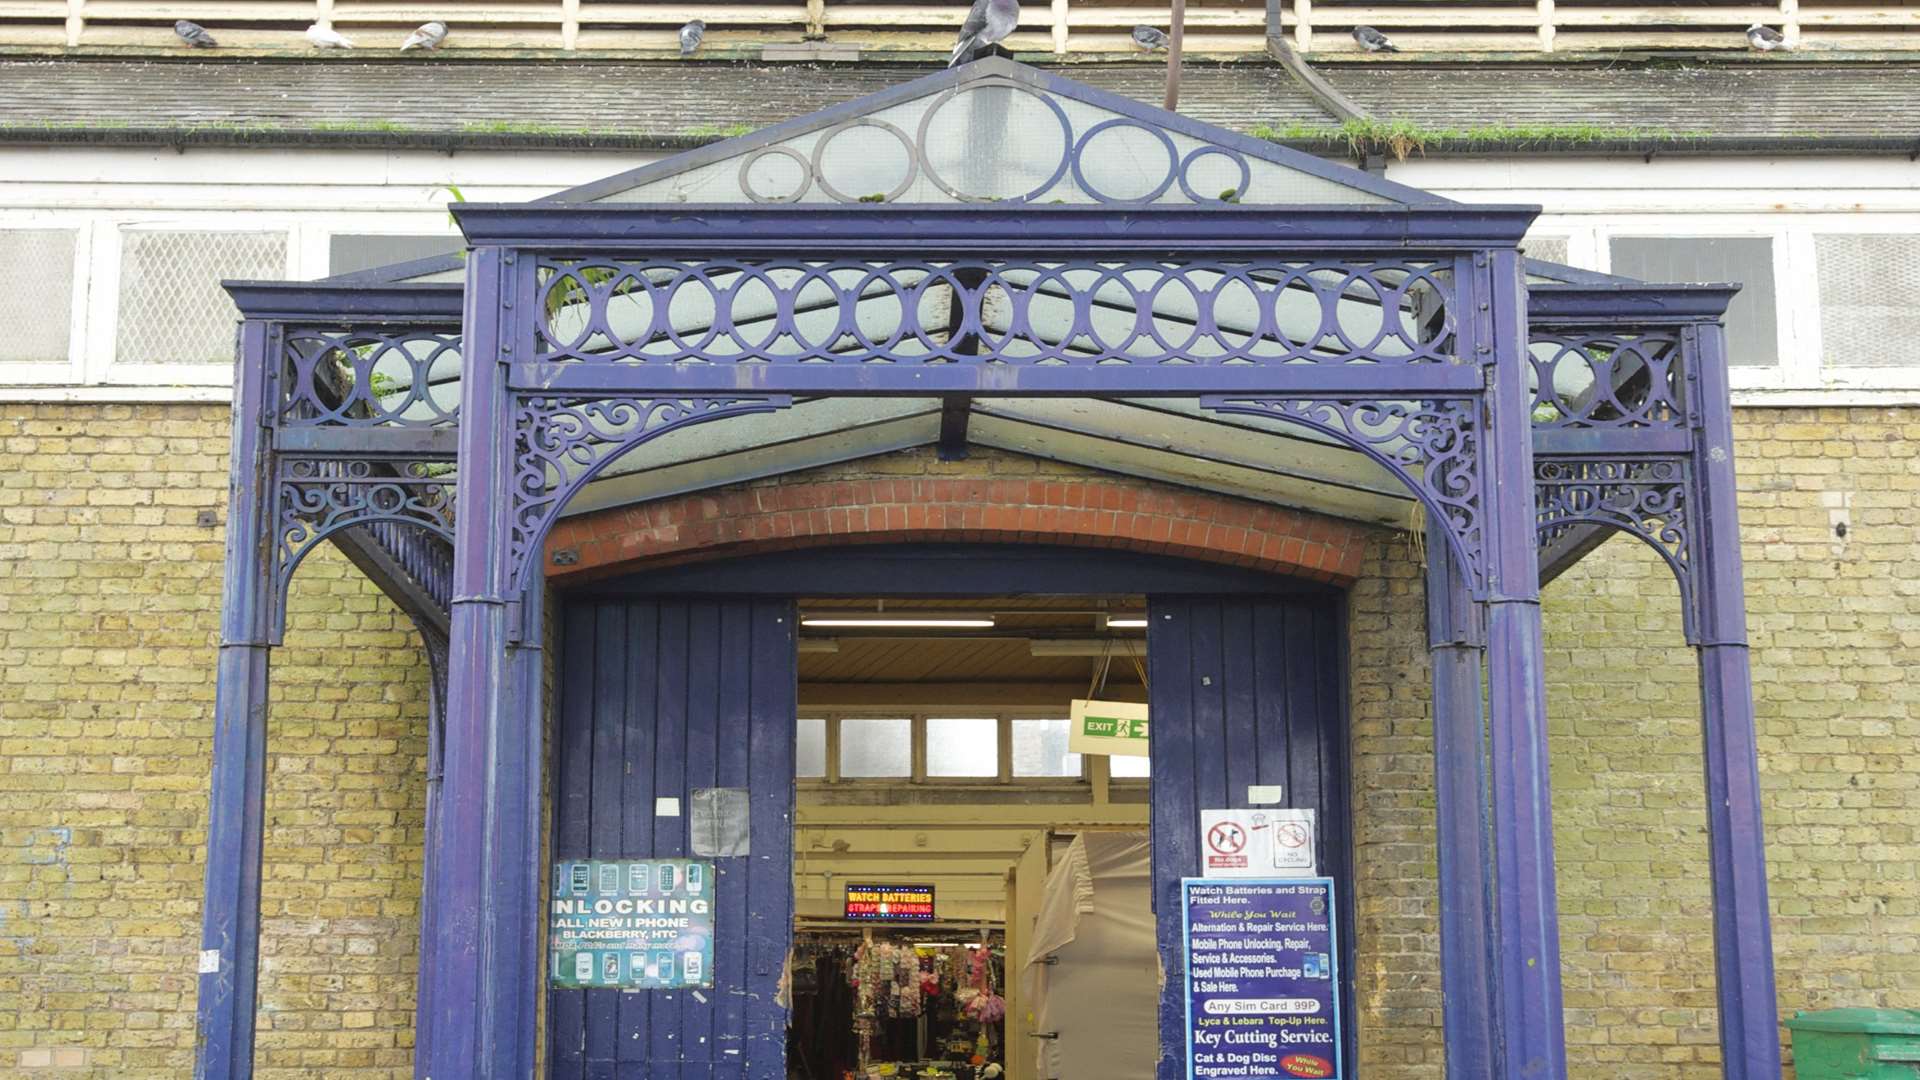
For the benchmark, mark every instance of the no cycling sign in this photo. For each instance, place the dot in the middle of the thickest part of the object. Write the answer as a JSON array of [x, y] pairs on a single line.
[[1268, 842]]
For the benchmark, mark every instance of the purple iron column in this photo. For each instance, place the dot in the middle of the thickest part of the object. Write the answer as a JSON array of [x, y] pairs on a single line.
[[1456, 645], [236, 804], [1532, 1026], [479, 959], [1742, 933], [436, 648]]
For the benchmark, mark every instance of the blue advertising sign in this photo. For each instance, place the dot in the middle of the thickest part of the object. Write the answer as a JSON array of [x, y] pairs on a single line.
[[1263, 985], [631, 925]]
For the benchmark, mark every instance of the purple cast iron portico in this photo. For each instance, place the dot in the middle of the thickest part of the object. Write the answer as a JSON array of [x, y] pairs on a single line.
[[1529, 409]]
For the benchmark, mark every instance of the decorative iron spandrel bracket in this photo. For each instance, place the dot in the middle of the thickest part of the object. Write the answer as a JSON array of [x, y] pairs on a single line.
[[362, 419], [1433, 447], [1648, 498], [1616, 420], [563, 442]]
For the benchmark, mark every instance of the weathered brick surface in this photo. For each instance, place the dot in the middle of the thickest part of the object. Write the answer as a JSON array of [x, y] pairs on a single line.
[[976, 506], [108, 607], [109, 601], [1835, 626]]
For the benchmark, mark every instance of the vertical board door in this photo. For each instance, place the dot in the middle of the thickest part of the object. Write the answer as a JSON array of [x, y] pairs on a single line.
[[1244, 691], [659, 698]]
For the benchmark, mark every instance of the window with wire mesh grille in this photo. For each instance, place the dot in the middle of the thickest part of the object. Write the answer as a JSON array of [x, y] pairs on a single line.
[[1551, 249], [36, 295], [1868, 317], [1752, 324], [172, 309]]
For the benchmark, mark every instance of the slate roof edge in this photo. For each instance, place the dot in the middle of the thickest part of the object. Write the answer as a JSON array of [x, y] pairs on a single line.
[[1333, 145]]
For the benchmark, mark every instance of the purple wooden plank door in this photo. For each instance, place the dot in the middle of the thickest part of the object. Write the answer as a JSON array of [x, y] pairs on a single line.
[[1244, 691], [659, 697]]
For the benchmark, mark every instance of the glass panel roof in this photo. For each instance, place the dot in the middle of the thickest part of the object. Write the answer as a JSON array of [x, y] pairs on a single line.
[[996, 131]]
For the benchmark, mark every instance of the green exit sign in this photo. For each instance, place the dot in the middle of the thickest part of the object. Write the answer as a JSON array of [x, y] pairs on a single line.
[[1108, 727]]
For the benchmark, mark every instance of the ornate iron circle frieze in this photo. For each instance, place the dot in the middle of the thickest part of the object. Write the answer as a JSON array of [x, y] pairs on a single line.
[[798, 193], [1116, 124], [933, 110], [826, 139], [1238, 192]]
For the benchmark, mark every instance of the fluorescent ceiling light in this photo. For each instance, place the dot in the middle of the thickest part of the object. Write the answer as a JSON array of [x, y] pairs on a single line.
[[1126, 622], [898, 621]]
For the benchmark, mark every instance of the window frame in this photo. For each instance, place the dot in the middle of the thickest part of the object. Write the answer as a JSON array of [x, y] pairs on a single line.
[[918, 775], [73, 370], [1794, 369], [101, 361], [1802, 375], [1840, 376]]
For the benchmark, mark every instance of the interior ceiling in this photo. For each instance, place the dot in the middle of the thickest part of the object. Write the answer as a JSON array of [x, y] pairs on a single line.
[[1000, 655], [1160, 439]]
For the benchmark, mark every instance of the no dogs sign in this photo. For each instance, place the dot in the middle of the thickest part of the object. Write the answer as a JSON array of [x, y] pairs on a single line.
[[1263, 843]]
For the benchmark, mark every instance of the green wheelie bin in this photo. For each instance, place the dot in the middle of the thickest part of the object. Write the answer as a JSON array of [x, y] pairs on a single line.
[[1842, 1044]]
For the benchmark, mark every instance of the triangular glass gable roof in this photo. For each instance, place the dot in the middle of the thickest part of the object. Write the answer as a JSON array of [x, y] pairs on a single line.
[[997, 131]]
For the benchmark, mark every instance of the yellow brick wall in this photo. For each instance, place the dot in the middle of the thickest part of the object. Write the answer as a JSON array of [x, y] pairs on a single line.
[[109, 608], [108, 611]]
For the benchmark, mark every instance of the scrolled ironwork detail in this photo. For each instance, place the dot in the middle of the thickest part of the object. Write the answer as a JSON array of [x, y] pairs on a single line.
[[1433, 447], [1649, 498], [787, 310], [1617, 380], [369, 377], [317, 497], [561, 442]]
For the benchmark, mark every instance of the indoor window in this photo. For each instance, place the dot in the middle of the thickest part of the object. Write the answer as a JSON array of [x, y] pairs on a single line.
[[810, 750], [1752, 327], [1040, 749], [871, 746], [1868, 317], [963, 747]]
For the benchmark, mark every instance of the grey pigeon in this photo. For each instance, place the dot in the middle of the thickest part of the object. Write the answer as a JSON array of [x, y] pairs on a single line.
[[194, 34], [988, 22], [690, 36], [1149, 38], [1765, 38], [1373, 40], [429, 36]]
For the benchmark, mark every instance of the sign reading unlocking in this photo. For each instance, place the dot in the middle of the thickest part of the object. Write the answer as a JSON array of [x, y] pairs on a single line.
[[890, 903], [1263, 983], [631, 925]]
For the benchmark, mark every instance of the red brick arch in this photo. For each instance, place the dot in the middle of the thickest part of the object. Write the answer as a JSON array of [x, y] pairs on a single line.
[[1103, 513]]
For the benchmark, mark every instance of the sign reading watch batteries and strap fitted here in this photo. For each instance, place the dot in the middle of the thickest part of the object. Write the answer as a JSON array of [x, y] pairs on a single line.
[[1263, 982], [631, 925]]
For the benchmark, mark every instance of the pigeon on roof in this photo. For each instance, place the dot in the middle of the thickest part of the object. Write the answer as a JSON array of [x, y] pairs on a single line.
[[1765, 38], [429, 36], [1373, 40], [194, 34], [691, 35], [322, 38], [1149, 38], [988, 22]]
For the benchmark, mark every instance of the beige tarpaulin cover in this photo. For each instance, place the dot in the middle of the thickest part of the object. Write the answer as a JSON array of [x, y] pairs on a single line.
[[1102, 995]]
